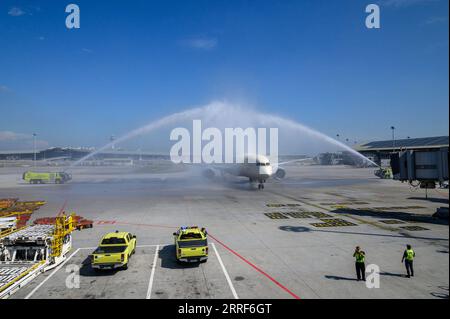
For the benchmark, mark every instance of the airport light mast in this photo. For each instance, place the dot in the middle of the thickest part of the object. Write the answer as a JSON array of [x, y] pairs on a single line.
[[393, 137], [111, 139], [34, 149]]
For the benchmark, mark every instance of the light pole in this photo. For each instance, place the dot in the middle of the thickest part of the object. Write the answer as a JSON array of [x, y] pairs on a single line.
[[393, 137], [111, 139], [34, 149]]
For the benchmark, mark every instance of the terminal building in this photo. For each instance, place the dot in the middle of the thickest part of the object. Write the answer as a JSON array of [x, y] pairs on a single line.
[[379, 151], [73, 154]]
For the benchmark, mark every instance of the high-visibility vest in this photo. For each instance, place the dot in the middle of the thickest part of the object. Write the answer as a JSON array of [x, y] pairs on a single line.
[[360, 258], [409, 254]]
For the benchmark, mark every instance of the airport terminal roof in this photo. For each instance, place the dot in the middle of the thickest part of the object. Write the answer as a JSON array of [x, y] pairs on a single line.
[[410, 143]]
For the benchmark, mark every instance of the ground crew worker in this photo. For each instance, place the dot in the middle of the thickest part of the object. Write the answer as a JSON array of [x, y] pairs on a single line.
[[360, 266], [408, 257]]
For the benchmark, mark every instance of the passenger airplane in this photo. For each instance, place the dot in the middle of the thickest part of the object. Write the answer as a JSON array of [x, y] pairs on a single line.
[[257, 168]]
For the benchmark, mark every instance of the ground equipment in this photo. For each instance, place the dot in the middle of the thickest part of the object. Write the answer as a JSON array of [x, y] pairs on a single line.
[[46, 177], [28, 252], [114, 251], [384, 173], [191, 244]]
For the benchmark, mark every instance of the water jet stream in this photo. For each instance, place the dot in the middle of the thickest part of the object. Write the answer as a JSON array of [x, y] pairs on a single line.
[[218, 111]]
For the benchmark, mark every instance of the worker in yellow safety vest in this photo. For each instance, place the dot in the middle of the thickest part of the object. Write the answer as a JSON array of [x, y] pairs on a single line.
[[408, 257], [360, 266]]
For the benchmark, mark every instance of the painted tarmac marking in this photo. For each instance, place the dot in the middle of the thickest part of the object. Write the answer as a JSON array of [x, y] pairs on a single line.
[[152, 274], [256, 268], [391, 221], [414, 228], [50, 276], [146, 225], [333, 223], [105, 222], [299, 214], [276, 216], [275, 205], [225, 272]]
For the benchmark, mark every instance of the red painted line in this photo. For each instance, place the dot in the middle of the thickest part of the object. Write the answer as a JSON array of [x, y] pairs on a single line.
[[105, 222], [146, 225], [62, 208], [256, 268], [276, 282]]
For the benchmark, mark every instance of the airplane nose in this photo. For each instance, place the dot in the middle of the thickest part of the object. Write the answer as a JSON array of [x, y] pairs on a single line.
[[265, 171]]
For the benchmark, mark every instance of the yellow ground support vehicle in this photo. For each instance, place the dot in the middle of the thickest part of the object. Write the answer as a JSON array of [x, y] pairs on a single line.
[[46, 177], [384, 173], [114, 251], [191, 244]]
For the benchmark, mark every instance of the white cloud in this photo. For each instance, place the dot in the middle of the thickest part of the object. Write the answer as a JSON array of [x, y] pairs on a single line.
[[86, 50], [201, 43], [19, 141], [41, 38], [16, 12], [12, 136]]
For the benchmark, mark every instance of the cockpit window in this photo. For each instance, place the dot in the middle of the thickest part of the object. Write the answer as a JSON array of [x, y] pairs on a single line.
[[263, 164]]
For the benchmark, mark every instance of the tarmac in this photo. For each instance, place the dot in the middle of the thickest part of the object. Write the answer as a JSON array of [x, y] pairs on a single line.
[[294, 239]]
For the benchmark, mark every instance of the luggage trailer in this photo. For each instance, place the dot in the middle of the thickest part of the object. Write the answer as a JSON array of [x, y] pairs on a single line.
[[28, 252]]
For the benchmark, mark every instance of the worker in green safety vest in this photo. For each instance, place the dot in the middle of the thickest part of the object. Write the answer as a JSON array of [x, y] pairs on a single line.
[[360, 257], [408, 257]]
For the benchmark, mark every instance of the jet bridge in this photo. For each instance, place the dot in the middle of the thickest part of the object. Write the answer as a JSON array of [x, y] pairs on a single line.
[[427, 167]]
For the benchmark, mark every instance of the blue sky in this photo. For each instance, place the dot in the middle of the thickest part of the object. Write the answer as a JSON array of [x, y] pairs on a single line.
[[134, 61]]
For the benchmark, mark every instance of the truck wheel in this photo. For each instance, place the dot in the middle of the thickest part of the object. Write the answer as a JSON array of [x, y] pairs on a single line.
[[125, 267]]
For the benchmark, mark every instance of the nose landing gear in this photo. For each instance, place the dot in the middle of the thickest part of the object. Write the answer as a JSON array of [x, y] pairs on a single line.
[[261, 186]]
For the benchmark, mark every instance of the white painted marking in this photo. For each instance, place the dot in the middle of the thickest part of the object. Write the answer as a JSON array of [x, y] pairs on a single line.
[[152, 275], [225, 272], [50, 276]]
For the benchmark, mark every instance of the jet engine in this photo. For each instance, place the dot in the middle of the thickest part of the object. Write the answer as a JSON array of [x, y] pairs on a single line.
[[280, 173]]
